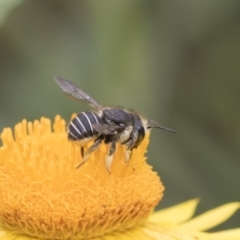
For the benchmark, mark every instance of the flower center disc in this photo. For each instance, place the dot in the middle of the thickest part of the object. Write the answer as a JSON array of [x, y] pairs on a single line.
[[44, 195]]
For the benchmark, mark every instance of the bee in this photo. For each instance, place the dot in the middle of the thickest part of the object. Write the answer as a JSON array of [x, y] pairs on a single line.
[[106, 124]]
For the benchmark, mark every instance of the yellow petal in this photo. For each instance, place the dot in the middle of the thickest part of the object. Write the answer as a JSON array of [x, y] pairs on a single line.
[[211, 218], [176, 214], [160, 233], [232, 234], [147, 231], [12, 236]]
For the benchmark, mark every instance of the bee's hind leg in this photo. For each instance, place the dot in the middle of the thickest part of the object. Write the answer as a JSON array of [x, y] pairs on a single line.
[[85, 156]]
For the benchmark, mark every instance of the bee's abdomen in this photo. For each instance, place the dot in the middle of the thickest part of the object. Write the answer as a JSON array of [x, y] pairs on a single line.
[[81, 126]]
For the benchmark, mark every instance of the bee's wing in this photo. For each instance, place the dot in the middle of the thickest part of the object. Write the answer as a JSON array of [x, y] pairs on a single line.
[[73, 91], [104, 128], [154, 124]]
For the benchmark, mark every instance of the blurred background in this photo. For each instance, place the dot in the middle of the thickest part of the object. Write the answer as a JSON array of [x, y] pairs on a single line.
[[177, 62]]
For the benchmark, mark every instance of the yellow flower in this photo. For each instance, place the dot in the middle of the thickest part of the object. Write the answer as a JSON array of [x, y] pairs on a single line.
[[44, 196]]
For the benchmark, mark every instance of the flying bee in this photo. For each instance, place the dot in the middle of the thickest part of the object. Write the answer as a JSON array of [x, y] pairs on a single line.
[[106, 124]]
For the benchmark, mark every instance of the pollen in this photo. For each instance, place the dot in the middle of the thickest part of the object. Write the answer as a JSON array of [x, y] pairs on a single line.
[[43, 195]]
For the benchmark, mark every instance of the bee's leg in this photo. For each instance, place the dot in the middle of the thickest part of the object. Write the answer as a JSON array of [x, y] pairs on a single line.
[[131, 142], [128, 152], [109, 157], [128, 155], [89, 150]]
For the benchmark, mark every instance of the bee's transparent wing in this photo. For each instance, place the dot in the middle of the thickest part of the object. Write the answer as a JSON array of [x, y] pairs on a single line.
[[73, 91], [104, 128], [154, 124]]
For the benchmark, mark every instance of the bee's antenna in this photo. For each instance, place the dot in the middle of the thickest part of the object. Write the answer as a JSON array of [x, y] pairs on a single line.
[[154, 124], [163, 128]]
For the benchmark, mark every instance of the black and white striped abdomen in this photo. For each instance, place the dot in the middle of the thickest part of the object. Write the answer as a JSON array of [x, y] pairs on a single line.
[[81, 126]]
